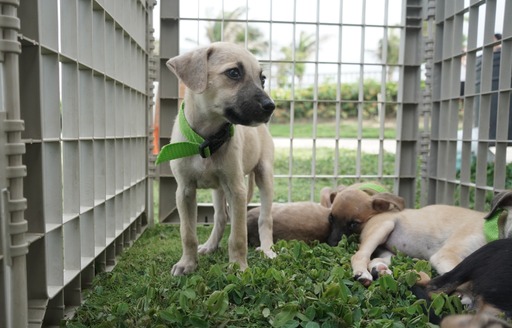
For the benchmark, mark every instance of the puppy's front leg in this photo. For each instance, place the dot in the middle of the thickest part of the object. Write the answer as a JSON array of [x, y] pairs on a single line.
[[187, 210], [237, 199], [220, 219], [371, 238], [264, 180]]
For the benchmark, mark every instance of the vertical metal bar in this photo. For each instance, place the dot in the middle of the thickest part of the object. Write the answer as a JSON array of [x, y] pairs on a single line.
[[292, 104], [427, 101], [338, 100], [18, 287], [315, 105]]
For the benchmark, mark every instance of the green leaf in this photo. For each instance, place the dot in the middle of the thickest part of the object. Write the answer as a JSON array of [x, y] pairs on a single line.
[[197, 322], [312, 325], [388, 283], [122, 309], [168, 316], [285, 315], [438, 302], [217, 303], [265, 312], [411, 278]]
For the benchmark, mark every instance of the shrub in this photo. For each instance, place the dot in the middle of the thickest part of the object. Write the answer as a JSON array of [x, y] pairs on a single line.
[[326, 96]]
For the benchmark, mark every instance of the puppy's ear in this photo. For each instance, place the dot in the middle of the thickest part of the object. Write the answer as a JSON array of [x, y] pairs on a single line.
[[501, 200], [192, 68], [326, 197], [385, 202]]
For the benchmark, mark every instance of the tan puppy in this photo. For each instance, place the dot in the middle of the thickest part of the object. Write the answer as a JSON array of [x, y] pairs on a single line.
[[442, 234], [224, 88], [306, 221]]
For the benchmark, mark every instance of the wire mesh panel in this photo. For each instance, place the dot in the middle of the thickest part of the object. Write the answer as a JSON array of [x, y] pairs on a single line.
[[471, 130], [84, 96], [345, 76]]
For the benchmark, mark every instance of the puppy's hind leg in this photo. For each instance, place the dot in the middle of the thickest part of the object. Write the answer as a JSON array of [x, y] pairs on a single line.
[[220, 219], [264, 181]]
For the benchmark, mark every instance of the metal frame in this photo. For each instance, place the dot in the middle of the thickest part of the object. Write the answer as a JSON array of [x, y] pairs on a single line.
[[77, 106], [408, 102], [470, 90]]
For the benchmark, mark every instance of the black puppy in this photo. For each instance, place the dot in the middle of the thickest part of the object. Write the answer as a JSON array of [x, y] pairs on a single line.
[[485, 276]]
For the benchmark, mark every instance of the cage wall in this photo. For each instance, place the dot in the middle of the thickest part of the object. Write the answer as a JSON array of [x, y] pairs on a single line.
[[84, 98], [329, 64], [468, 87]]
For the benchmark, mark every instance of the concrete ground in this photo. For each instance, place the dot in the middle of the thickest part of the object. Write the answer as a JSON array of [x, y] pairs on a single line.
[[371, 146]]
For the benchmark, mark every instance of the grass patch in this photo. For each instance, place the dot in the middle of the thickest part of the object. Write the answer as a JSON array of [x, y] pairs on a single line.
[[348, 129], [305, 286], [300, 187]]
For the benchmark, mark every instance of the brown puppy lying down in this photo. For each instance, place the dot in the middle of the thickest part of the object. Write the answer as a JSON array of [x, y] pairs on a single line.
[[306, 221], [441, 234]]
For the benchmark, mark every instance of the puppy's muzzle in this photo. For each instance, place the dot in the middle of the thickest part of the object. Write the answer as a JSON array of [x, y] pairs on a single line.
[[251, 111]]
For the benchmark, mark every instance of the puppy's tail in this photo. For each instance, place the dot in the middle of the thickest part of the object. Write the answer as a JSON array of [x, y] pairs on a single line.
[[250, 186]]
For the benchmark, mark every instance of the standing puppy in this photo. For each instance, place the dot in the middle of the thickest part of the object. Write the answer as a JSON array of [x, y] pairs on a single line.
[[224, 88]]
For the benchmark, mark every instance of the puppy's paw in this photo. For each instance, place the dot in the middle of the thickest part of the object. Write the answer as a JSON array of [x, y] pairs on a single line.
[[183, 267], [378, 269], [207, 248], [364, 278], [268, 252]]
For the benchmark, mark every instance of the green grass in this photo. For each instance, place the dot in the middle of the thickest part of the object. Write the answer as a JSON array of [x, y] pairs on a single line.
[[302, 165], [348, 129], [305, 286]]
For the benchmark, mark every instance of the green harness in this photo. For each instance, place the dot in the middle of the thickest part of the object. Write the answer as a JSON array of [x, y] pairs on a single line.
[[373, 186], [491, 226], [195, 144]]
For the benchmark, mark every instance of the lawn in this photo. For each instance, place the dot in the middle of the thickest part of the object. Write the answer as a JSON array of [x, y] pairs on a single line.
[[348, 129], [305, 286], [300, 185]]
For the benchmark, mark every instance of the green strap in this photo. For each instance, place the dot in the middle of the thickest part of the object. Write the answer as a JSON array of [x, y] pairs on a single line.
[[491, 229], [187, 148], [373, 186]]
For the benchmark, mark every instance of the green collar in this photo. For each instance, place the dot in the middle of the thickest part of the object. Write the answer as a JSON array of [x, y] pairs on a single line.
[[491, 226], [195, 144], [373, 186]]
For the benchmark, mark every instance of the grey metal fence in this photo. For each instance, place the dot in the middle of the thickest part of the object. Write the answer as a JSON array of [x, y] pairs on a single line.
[[75, 101], [469, 74], [449, 113], [351, 48]]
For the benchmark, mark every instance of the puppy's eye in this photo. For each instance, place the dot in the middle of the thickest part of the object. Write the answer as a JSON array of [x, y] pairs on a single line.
[[331, 218], [263, 78], [234, 74], [353, 225]]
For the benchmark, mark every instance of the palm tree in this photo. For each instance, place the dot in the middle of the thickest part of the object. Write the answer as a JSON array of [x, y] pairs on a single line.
[[305, 47], [393, 50], [226, 28]]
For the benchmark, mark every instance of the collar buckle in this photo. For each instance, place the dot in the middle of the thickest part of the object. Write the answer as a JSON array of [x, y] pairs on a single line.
[[213, 143]]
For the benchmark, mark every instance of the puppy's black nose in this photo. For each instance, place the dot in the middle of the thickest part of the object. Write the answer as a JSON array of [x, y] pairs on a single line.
[[268, 105]]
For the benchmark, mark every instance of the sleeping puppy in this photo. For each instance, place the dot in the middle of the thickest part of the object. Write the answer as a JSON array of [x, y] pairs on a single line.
[[306, 221], [442, 234], [484, 276]]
